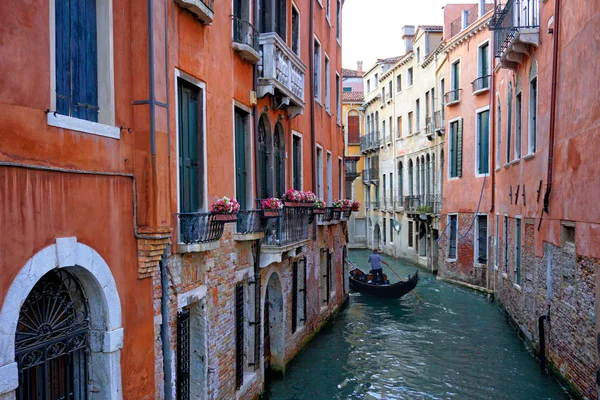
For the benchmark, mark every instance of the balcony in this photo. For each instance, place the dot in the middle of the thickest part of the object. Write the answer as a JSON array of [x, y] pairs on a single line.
[[199, 232], [365, 176], [440, 122], [374, 174], [452, 97], [430, 204], [281, 74], [481, 85], [429, 128], [245, 40], [516, 26], [370, 142], [463, 22], [350, 168], [202, 9], [250, 225]]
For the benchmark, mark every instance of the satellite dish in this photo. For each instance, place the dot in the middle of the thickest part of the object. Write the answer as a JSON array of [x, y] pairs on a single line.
[[396, 225]]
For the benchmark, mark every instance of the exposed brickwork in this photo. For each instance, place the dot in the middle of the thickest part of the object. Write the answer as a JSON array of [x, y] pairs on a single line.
[[151, 250]]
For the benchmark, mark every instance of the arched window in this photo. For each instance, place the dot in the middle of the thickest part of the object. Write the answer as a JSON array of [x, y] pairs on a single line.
[[263, 159], [428, 177], [279, 160], [498, 131], [509, 122], [418, 177], [410, 178], [441, 173], [52, 339], [400, 183], [533, 108]]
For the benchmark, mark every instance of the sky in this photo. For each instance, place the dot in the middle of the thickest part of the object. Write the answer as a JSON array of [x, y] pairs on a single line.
[[371, 29]]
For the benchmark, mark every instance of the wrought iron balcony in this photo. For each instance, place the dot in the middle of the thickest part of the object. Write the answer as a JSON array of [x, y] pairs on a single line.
[[350, 168], [516, 26], [370, 142], [440, 122], [326, 217], [291, 227], [460, 24], [374, 174], [199, 228], [245, 40], [429, 127], [423, 204], [481, 84], [202, 9], [452, 97], [281, 74], [250, 221]]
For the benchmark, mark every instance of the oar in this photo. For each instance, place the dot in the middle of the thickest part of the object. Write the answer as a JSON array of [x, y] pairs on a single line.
[[402, 280]]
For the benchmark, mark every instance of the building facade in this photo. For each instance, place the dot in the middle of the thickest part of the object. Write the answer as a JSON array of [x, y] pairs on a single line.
[[124, 121]]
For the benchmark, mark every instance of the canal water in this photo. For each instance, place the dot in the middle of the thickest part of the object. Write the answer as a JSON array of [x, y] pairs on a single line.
[[455, 346]]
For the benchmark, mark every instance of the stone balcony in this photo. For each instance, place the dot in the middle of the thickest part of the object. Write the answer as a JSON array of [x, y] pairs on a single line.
[[202, 9], [281, 74]]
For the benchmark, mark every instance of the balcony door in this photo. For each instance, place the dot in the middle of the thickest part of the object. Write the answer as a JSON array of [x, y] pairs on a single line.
[[241, 170]]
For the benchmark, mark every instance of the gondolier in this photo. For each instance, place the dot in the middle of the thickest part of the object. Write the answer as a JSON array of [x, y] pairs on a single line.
[[376, 261]]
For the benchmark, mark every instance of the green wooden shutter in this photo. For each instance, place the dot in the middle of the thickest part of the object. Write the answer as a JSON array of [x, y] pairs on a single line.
[[459, 148], [240, 159], [189, 177]]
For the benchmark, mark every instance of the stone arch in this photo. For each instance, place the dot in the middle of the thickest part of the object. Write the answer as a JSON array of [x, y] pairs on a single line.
[[274, 324], [105, 314]]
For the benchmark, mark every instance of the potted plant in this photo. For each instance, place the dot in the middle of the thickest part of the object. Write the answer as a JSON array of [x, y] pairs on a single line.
[[346, 205], [271, 207], [293, 198], [309, 198], [319, 206], [355, 205], [337, 204], [225, 209]]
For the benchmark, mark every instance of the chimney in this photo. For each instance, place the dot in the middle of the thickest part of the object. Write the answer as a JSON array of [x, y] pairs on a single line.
[[408, 32], [481, 8], [359, 66]]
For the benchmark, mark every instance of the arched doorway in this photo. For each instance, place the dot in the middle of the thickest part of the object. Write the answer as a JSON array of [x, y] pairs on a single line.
[[52, 339], [273, 325], [377, 237]]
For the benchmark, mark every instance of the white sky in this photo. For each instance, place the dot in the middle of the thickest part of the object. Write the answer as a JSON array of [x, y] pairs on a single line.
[[372, 28]]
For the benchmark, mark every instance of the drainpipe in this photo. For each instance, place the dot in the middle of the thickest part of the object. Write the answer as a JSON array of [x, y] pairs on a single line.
[[255, 107], [151, 99], [313, 139], [552, 106], [165, 332]]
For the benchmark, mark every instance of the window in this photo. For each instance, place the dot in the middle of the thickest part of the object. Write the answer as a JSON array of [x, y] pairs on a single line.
[[390, 89], [418, 55], [391, 231], [337, 20], [317, 69], [297, 162], [483, 143], [329, 179], [409, 81], [505, 242], [518, 250], [279, 160], [81, 57], [384, 190], [455, 146], [410, 234], [399, 83], [509, 123], [190, 106], [280, 19], [427, 109], [353, 128], [481, 232], [376, 80], [383, 94], [400, 183], [399, 128], [328, 14], [410, 178], [410, 123], [340, 181], [452, 236], [383, 129], [498, 132], [346, 89], [518, 118], [368, 85], [384, 230], [455, 77], [484, 62], [532, 145], [418, 115], [298, 294], [325, 276], [295, 31], [320, 191], [338, 100], [327, 86], [239, 335], [242, 161], [390, 126]]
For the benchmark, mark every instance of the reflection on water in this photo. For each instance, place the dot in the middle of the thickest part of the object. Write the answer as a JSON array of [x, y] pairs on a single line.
[[456, 346]]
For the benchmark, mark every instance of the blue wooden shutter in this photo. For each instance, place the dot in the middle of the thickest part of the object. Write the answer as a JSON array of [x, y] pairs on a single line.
[[63, 58], [84, 60], [459, 148]]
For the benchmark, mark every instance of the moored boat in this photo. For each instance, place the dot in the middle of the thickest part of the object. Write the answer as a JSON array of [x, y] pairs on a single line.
[[359, 282]]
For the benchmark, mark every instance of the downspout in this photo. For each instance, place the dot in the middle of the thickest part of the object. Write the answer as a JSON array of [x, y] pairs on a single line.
[[152, 99], [165, 332], [492, 165], [255, 107], [552, 107], [311, 67]]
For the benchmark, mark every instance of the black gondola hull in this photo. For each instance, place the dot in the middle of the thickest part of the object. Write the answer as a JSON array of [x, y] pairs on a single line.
[[392, 291]]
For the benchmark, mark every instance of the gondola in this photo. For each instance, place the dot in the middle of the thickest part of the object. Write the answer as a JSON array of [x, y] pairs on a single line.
[[359, 283]]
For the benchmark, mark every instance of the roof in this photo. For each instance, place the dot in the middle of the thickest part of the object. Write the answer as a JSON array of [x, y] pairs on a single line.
[[389, 60], [431, 28], [352, 97], [351, 73]]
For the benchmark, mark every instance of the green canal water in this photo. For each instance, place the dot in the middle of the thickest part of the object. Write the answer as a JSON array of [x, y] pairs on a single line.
[[456, 346]]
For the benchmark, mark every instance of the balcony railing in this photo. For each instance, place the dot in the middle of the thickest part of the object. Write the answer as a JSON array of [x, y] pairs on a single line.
[[452, 97], [290, 227], [327, 216], [281, 72], [457, 25], [370, 142], [350, 168], [250, 221], [202, 9], [481, 84], [429, 126], [374, 174], [423, 204], [514, 22], [199, 228], [245, 39], [440, 122]]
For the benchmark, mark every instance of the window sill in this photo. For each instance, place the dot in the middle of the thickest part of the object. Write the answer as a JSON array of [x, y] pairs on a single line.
[[81, 125], [199, 247], [529, 156]]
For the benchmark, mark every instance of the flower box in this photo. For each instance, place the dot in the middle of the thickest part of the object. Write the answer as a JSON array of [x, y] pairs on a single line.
[[271, 213], [318, 211], [294, 203], [225, 217]]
